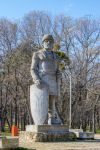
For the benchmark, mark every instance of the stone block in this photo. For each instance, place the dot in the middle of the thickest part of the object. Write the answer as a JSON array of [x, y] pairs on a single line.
[[9, 142], [42, 133], [47, 128], [46, 137], [76, 131], [86, 135]]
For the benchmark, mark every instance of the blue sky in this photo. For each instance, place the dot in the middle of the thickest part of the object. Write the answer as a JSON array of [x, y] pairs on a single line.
[[16, 9]]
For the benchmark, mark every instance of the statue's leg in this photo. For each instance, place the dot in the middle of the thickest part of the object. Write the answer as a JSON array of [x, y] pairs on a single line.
[[53, 117], [54, 99], [50, 110]]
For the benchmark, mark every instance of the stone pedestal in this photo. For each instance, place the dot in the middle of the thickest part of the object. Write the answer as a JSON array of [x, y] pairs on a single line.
[[9, 142], [47, 128], [45, 133]]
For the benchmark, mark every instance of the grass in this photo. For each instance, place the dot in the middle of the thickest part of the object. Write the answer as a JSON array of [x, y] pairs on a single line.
[[98, 131], [5, 133]]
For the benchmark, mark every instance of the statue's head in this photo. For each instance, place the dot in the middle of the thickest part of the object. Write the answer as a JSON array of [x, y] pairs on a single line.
[[48, 41]]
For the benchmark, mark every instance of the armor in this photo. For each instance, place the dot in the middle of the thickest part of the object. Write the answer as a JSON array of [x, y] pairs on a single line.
[[44, 67]]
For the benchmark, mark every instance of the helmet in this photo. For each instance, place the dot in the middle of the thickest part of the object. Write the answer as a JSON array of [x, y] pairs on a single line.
[[47, 37]]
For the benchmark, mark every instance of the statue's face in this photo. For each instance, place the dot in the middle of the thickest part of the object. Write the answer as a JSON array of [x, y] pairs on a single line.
[[48, 44]]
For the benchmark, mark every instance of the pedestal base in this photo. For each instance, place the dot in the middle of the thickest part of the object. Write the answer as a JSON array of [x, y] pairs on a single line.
[[45, 133]]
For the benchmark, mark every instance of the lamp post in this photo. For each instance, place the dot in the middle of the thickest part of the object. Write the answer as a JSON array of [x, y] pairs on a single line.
[[70, 102], [70, 98]]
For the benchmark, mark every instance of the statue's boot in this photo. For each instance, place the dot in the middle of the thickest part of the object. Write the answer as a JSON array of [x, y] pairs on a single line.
[[53, 118], [49, 117]]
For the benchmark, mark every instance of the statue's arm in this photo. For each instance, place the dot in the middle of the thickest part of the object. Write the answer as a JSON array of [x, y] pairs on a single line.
[[34, 68]]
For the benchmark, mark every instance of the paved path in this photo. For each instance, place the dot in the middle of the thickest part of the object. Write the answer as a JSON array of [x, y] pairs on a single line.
[[76, 145]]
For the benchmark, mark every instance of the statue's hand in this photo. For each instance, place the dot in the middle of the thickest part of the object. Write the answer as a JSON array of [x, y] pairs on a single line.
[[38, 84]]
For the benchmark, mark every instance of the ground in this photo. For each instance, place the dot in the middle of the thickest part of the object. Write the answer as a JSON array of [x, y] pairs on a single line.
[[76, 145]]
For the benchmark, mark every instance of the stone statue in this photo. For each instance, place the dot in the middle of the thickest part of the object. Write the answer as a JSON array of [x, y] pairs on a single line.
[[45, 72]]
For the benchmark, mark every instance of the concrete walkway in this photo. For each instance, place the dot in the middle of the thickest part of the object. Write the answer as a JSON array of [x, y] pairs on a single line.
[[75, 145]]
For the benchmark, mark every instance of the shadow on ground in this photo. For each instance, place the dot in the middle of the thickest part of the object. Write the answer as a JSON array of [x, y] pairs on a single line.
[[95, 141], [22, 148]]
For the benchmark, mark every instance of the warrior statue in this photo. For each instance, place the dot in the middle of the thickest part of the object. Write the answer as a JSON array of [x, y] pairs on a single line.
[[45, 74]]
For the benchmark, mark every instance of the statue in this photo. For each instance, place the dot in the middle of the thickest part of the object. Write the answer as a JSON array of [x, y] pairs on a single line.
[[45, 74], [44, 95]]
